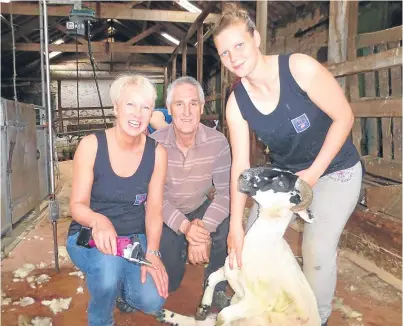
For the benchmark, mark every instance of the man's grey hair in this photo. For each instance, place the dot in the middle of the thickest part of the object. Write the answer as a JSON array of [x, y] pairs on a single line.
[[185, 80]]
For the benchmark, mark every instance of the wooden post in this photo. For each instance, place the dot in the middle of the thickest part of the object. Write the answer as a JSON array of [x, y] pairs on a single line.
[[200, 54], [396, 86], [255, 154], [371, 124], [343, 17], [213, 93], [261, 23], [173, 77], [165, 81], [386, 123], [184, 55], [59, 105]]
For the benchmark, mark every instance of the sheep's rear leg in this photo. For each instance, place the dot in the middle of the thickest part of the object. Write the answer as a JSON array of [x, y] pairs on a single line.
[[205, 305], [240, 310]]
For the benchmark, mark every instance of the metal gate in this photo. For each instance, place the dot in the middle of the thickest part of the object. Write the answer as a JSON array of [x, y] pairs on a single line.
[[19, 165]]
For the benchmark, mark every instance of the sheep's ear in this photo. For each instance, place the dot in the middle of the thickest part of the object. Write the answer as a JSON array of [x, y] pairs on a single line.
[[306, 215]]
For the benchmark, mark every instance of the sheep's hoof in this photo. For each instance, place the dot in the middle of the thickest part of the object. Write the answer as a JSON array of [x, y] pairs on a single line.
[[202, 311], [160, 315]]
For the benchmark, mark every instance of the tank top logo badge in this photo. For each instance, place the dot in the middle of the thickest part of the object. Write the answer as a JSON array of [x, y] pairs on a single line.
[[140, 199], [301, 123]]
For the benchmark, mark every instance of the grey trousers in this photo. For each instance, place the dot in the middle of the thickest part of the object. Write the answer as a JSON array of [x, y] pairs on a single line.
[[335, 197]]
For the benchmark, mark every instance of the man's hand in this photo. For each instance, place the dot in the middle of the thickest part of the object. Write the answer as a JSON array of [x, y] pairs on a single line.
[[158, 273], [196, 234], [199, 254]]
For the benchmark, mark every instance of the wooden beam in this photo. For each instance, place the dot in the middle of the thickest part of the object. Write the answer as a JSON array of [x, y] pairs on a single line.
[[116, 47], [83, 66], [372, 62], [184, 59], [386, 123], [396, 91], [376, 237], [104, 75], [383, 168], [59, 105], [339, 14], [213, 98], [381, 37], [17, 31], [173, 69], [112, 116], [377, 108], [64, 30], [193, 28], [87, 108], [166, 81], [261, 23], [385, 199], [200, 54], [105, 10], [156, 28]]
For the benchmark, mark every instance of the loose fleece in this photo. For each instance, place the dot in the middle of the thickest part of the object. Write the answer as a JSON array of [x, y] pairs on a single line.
[[335, 197]]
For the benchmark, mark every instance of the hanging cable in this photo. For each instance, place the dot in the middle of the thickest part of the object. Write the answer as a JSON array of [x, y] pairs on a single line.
[[78, 95], [95, 75], [17, 106]]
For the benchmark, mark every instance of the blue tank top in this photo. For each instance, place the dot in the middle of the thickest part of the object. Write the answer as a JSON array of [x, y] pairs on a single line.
[[167, 117], [295, 131], [120, 199]]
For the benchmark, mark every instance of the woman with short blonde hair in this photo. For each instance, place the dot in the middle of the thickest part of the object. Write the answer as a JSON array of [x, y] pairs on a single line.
[[117, 191]]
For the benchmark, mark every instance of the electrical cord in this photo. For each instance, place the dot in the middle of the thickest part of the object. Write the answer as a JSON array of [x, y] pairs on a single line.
[[95, 75]]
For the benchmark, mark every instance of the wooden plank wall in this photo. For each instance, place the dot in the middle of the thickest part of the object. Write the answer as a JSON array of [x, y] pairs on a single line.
[[374, 73]]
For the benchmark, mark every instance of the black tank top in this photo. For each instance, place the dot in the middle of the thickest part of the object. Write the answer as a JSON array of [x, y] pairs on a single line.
[[296, 129], [118, 198]]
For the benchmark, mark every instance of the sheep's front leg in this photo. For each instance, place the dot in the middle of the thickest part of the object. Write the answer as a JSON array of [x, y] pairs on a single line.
[[205, 305]]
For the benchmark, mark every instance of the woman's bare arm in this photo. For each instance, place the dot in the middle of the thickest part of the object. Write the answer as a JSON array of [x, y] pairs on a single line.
[[324, 90], [239, 139], [155, 199], [103, 232]]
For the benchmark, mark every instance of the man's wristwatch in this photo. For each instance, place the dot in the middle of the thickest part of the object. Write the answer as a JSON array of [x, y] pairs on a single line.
[[153, 252]]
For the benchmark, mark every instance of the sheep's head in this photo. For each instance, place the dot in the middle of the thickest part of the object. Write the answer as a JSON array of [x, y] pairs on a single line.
[[273, 187]]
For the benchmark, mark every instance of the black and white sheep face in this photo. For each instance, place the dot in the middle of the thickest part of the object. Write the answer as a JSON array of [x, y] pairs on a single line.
[[272, 188]]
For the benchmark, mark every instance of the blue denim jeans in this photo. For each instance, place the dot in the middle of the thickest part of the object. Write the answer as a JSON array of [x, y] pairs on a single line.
[[107, 277]]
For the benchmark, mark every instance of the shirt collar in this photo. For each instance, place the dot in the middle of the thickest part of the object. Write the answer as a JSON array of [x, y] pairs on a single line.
[[201, 136]]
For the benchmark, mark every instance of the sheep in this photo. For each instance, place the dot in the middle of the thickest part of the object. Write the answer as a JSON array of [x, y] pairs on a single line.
[[270, 288]]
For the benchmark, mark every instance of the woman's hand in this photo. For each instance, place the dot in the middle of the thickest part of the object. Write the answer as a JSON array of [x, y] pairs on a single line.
[[104, 235], [235, 244], [158, 273], [310, 176]]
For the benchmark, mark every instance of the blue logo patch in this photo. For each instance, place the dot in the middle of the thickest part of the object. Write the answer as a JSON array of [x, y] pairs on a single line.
[[140, 199], [301, 123]]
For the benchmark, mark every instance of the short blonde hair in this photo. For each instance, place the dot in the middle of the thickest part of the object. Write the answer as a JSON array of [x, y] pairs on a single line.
[[232, 14], [131, 79]]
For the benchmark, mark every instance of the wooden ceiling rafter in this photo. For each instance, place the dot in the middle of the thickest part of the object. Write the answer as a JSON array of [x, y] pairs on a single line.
[[193, 28], [108, 10]]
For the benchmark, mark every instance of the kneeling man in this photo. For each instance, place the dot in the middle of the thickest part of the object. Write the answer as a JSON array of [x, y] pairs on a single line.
[[199, 157]]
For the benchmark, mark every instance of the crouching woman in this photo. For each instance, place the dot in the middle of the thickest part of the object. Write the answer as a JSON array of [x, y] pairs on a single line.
[[117, 190]]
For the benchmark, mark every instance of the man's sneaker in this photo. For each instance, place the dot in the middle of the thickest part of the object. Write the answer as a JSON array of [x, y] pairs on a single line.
[[123, 306], [221, 300]]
